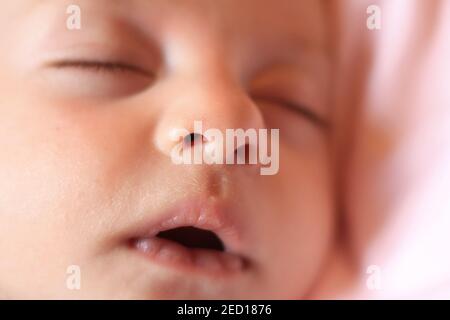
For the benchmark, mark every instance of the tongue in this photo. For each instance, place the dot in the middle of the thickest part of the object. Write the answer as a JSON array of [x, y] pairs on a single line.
[[192, 237]]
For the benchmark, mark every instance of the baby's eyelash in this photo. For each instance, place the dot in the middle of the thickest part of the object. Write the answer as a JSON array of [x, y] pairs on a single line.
[[98, 66], [304, 111]]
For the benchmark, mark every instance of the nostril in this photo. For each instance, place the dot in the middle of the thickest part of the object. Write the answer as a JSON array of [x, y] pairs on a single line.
[[192, 139], [245, 155]]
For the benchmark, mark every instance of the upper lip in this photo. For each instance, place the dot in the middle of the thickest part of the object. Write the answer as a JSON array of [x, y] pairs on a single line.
[[209, 214]]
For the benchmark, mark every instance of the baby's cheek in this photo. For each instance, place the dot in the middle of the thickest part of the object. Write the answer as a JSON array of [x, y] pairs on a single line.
[[309, 211], [51, 188], [292, 218], [54, 153]]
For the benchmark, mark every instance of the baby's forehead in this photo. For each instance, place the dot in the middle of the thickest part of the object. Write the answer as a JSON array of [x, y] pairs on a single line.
[[256, 19]]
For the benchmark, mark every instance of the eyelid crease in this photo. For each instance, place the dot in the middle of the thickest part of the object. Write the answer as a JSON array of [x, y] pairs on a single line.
[[97, 65], [305, 112]]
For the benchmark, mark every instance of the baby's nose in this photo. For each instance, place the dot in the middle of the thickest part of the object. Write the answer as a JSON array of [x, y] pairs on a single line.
[[200, 106]]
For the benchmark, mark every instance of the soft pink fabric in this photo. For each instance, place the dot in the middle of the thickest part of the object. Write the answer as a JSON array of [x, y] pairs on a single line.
[[393, 94]]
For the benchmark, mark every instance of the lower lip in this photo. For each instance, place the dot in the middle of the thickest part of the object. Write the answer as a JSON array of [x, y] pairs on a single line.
[[174, 255]]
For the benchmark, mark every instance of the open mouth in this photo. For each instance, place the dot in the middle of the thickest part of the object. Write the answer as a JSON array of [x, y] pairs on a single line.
[[192, 237], [192, 240]]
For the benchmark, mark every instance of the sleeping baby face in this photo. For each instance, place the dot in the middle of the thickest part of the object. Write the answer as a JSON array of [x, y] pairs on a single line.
[[92, 204]]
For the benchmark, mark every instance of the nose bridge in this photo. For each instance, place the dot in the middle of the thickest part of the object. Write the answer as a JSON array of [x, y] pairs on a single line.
[[220, 102], [195, 44]]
